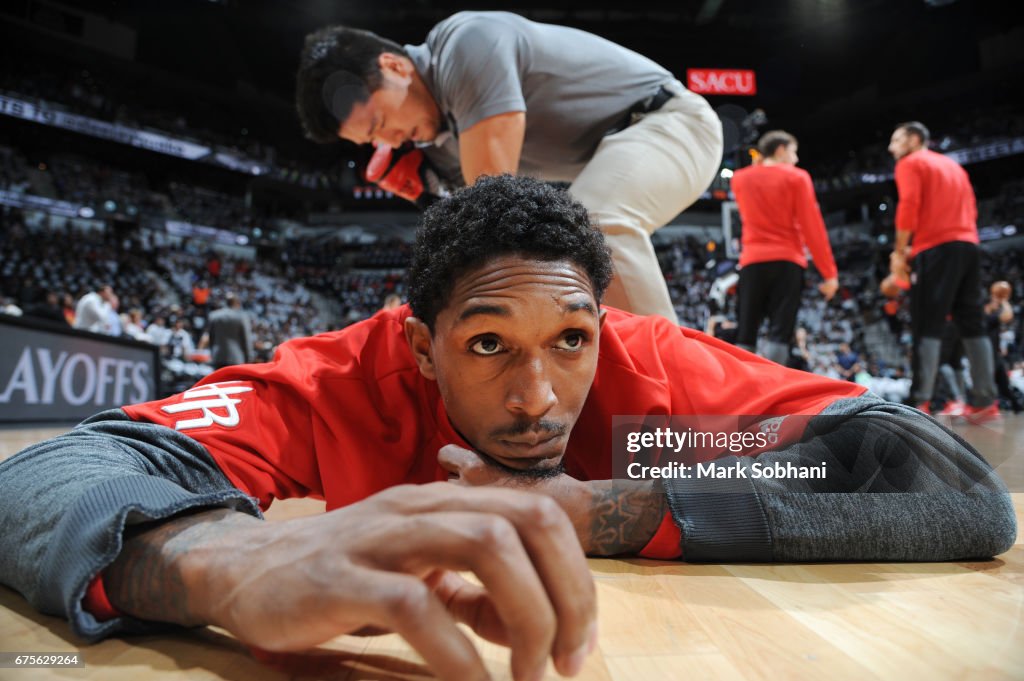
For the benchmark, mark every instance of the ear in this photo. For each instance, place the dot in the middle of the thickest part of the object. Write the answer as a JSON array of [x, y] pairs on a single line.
[[600, 319], [395, 65], [421, 343]]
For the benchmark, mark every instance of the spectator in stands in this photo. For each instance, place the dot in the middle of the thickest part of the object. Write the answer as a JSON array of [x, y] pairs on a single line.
[[158, 332], [800, 356], [114, 327], [936, 226], [131, 325], [181, 343], [68, 308], [8, 307], [49, 308], [200, 294], [391, 301], [847, 361], [780, 216], [999, 313], [92, 313]]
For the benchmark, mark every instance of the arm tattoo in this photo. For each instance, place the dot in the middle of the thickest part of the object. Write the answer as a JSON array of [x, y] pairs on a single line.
[[148, 580], [626, 514]]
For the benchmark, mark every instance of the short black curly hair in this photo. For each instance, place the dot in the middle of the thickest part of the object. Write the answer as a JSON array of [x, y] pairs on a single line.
[[501, 215], [338, 68]]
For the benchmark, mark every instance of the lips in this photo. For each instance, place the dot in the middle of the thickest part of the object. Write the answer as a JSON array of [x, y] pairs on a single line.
[[530, 452], [530, 440]]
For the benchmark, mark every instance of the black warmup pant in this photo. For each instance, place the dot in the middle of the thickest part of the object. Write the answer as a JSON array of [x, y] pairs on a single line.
[[769, 289], [947, 281]]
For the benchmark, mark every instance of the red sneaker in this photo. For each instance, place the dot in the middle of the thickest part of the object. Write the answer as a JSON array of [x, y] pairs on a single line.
[[980, 415], [953, 408], [926, 407]]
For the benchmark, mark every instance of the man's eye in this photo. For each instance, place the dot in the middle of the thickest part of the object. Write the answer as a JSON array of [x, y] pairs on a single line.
[[572, 341], [486, 346]]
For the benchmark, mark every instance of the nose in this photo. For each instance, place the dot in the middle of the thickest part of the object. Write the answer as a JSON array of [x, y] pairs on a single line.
[[530, 393]]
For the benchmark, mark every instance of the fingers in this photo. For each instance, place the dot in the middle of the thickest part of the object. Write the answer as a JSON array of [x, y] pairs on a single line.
[[453, 459], [470, 604], [375, 564], [490, 546], [466, 465], [563, 570], [551, 544], [407, 606]]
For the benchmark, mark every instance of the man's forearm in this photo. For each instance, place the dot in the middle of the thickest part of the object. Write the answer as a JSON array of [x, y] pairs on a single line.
[[902, 241], [163, 572], [623, 517]]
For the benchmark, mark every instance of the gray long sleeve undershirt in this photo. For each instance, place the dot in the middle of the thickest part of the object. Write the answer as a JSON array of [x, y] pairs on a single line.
[[900, 487], [64, 503]]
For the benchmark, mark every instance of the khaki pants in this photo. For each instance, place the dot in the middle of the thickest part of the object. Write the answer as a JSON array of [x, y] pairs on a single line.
[[640, 178]]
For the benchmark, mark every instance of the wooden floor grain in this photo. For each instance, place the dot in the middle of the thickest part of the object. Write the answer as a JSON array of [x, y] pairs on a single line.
[[658, 620]]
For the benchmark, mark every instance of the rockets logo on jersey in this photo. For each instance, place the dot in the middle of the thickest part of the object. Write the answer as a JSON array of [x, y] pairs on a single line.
[[209, 404], [770, 427]]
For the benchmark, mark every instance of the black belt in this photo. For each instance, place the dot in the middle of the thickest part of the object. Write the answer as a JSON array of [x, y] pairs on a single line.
[[644, 106]]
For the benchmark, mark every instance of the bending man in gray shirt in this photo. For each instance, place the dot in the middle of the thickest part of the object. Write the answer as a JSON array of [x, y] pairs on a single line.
[[492, 92]]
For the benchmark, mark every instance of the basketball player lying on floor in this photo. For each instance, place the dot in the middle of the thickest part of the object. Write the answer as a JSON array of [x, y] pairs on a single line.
[[503, 372]]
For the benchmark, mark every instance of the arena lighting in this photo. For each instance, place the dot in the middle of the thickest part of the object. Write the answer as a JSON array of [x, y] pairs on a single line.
[[725, 174], [109, 206], [86, 212], [882, 206]]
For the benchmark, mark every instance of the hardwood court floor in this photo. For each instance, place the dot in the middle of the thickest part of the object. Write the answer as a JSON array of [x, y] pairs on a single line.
[[658, 620]]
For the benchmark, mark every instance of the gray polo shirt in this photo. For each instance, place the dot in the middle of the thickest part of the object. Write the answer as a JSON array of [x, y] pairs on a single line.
[[574, 86]]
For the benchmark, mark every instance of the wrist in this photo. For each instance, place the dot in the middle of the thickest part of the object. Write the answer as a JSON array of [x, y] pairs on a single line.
[[216, 564], [577, 500], [174, 571], [622, 517]]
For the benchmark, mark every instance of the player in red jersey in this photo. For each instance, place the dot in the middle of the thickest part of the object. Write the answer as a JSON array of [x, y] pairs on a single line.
[[502, 372], [780, 218], [936, 226]]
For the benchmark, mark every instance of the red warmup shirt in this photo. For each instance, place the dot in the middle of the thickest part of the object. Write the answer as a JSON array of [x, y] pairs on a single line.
[[346, 414], [780, 216], [936, 201]]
